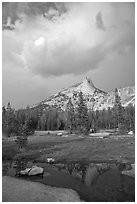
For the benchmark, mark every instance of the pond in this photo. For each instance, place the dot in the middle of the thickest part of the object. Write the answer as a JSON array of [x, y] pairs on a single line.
[[94, 182]]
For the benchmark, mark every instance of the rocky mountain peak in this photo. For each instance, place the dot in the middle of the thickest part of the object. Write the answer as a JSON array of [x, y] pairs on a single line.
[[89, 81], [87, 86], [95, 98]]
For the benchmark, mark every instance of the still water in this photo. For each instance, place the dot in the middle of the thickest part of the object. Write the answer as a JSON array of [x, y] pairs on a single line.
[[93, 182]]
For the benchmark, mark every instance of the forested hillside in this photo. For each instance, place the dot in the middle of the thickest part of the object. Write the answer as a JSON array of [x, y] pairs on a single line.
[[77, 118]]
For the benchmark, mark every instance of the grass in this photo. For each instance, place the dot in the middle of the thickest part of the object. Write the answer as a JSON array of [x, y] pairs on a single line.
[[96, 149], [73, 148], [9, 151]]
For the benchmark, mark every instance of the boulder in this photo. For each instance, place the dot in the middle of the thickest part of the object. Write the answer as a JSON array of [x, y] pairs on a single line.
[[17, 190], [60, 134], [24, 172], [36, 171], [50, 160], [130, 132]]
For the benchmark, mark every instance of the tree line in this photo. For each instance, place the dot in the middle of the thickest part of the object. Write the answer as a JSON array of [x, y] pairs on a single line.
[[26, 121]]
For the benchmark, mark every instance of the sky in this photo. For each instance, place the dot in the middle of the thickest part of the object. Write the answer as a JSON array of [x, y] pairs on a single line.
[[50, 46]]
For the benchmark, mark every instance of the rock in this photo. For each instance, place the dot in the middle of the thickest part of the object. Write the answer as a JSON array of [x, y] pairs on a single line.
[[50, 160], [130, 172], [24, 172], [60, 134], [36, 171], [130, 132], [64, 135], [17, 190], [91, 175]]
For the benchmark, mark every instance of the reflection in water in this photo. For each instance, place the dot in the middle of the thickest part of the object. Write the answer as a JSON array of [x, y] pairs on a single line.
[[97, 182], [86, 172], [70, 168], [73, 169]]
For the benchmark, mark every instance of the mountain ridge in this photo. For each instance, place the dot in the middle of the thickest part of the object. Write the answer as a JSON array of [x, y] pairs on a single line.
[[95, 98]]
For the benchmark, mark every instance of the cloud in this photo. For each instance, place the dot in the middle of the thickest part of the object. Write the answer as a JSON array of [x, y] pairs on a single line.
[[39, 42], [48, 46], [99, 21], [66, 38], [14, 9]]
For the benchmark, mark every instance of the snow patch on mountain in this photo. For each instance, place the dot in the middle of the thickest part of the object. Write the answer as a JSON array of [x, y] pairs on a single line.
[[95, 98]]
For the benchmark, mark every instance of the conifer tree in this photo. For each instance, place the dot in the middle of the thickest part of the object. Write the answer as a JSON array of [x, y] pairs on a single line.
[[131, 117], [82, 114], [3, 119], [8, 119], [117, 111], [109, 119], [22, 139], [70, 115]]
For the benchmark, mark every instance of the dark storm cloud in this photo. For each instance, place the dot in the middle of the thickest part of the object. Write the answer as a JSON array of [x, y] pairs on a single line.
[[14, 9], [99, 21]]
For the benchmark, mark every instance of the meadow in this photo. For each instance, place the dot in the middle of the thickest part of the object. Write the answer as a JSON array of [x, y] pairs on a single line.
[[76, 149]]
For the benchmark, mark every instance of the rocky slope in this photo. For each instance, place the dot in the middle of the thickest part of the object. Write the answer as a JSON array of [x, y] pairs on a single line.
[[17, 190], [95, 98]]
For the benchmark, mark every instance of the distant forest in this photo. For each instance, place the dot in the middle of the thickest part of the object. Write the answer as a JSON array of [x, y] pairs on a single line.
[[14, 122]]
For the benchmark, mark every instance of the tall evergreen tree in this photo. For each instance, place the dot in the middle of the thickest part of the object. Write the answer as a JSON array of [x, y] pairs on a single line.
[[109, 118], [9, 120], [70, 115], [91, 119], [3, 119], [117, 111], [82, 114], [25, 131], [130, 116]]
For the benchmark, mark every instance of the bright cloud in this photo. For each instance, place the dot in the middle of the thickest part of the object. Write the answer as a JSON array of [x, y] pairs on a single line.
[[39, 42], [74, 42]]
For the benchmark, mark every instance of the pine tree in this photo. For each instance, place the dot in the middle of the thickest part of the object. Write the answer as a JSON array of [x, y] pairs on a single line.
[[8, 118], [3, 119], [109, 118], [90, 120], [82, 114], [22, 139], [118, 111], [131, 117], [70, 115]]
